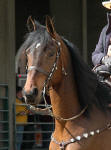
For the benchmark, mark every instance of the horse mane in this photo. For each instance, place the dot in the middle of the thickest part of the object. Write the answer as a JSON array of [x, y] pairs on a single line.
[[90, 90]]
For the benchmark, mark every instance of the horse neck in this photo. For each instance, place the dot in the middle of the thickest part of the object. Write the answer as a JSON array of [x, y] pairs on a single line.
[[64, 97]]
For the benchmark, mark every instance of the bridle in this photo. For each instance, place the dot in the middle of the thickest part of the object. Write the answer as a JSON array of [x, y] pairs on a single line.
[[47, 110], [85, 135]]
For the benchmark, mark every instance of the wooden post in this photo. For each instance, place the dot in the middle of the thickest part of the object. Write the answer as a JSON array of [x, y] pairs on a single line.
[[7, 56]]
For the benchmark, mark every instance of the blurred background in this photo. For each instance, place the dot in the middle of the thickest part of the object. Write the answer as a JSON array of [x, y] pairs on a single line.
[[78, 21]]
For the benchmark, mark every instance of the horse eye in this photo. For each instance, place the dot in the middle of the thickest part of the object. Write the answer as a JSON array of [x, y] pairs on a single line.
[[51, 54]]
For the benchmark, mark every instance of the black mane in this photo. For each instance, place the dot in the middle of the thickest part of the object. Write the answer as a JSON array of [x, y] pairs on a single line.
[[90, 90]]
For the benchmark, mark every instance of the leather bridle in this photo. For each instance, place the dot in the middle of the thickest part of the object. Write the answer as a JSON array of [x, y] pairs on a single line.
[[45, 86], [49, 75]]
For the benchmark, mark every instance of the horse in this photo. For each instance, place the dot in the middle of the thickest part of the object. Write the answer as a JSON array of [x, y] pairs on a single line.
[[80, 103]]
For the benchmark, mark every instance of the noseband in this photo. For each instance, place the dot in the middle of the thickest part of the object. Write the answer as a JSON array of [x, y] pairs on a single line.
[[38, 69]]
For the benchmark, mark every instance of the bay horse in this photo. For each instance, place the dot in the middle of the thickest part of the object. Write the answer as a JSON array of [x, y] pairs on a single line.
[[79, 102]]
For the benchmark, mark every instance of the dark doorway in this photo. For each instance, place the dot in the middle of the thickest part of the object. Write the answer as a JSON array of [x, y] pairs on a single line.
[[38, 9]]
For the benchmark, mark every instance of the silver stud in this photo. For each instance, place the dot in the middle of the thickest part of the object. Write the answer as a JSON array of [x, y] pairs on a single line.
[[44, 90], [50, 75], [52, 69], [64, 72], [72, 140], [78, 138], [92, 133], [98, 131], [59, 43], [54, 64], [56, 68], [85, 135]]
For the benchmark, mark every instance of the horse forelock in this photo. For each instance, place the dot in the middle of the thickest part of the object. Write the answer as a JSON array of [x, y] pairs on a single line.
[[39, 35]]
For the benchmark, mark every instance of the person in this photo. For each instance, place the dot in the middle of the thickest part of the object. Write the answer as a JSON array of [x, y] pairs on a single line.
[[21, 117], [101, 56]]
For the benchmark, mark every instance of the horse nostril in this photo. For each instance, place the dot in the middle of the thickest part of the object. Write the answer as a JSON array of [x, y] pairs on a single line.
[[35, 91], [29, 96]]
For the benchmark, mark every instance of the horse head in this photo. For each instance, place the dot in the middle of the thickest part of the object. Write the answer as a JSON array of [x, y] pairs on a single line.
[[43, 59]]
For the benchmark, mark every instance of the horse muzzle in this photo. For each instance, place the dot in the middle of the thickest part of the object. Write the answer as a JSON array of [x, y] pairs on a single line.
[[30, 96]]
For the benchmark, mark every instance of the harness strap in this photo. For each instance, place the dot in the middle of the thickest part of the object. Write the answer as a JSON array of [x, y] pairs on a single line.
[[62, 144], [71, 118], [86, 135]]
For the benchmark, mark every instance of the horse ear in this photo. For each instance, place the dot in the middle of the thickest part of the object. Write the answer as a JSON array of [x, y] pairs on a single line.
[[50, 26], [31, 24]]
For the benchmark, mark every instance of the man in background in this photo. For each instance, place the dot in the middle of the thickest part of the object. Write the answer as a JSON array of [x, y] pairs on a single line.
[[101, 56], [21, 117]]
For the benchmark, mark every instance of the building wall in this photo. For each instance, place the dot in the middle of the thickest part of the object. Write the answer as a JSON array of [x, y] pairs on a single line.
[[7, 55], [80, 22], [68, 19], [76, 20], [37, 9]]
